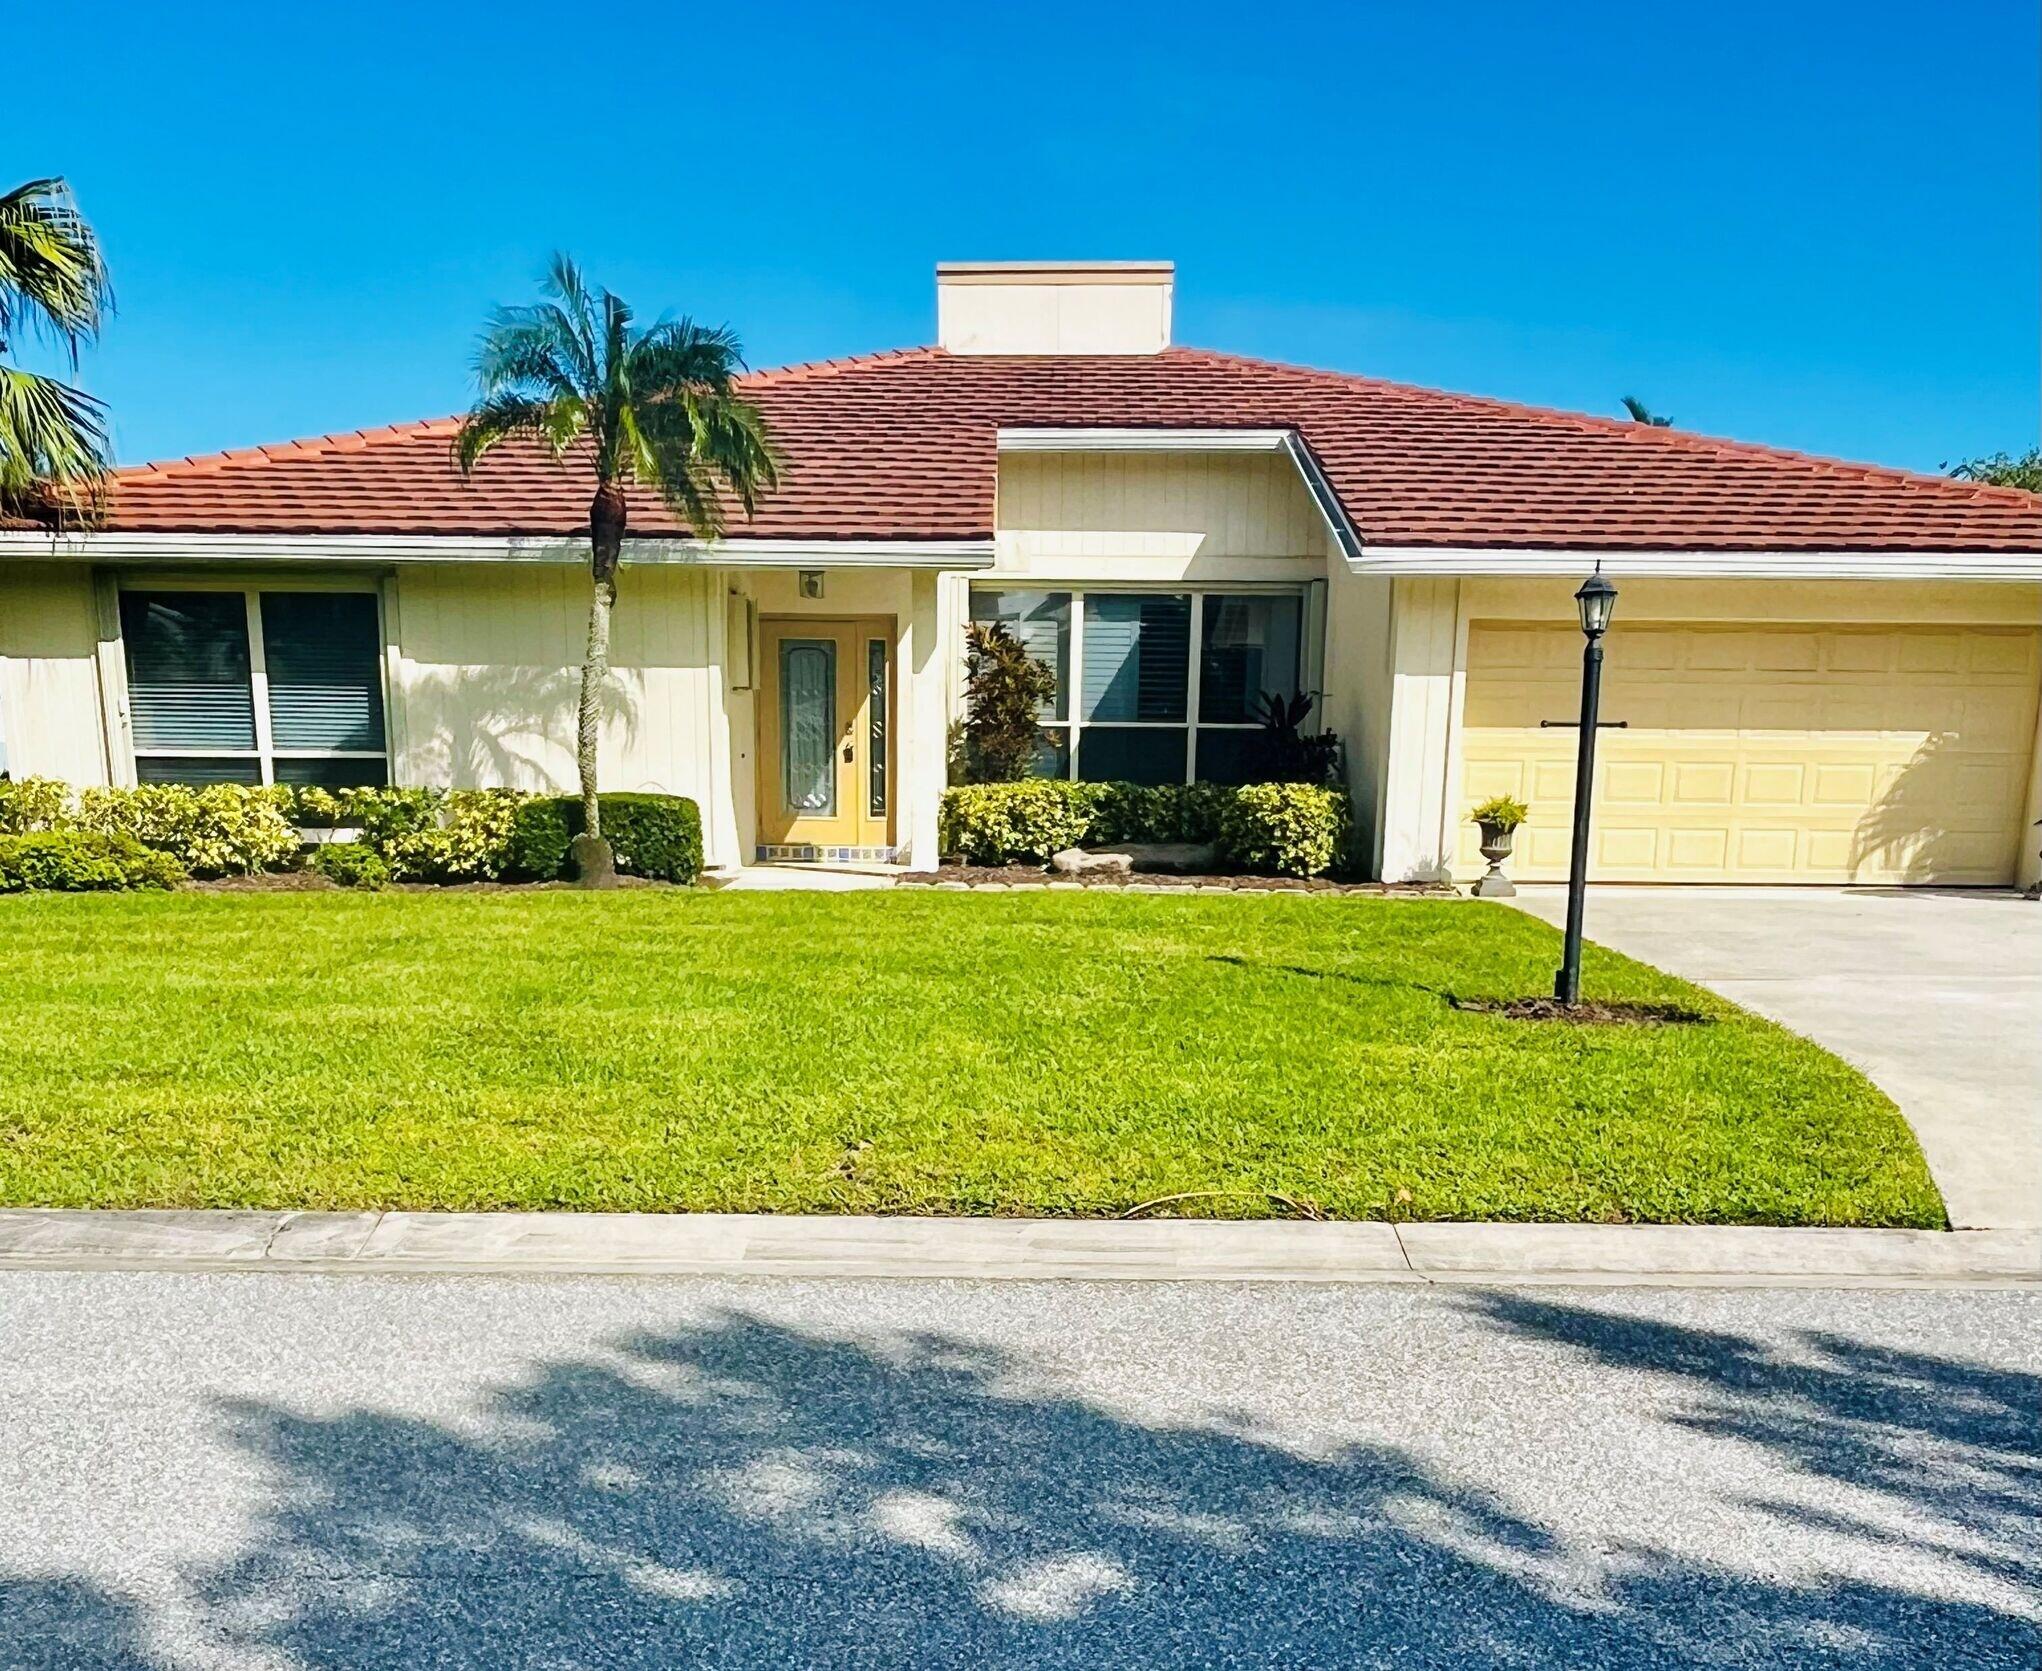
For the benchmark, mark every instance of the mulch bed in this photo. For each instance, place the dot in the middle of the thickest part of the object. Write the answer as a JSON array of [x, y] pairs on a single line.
[[1033, 876], [1589, 1013], [312, 882]]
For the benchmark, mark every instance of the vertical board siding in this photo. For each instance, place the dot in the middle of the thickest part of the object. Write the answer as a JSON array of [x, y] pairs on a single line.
[[51, 720], [489, 668], [1064, 506]]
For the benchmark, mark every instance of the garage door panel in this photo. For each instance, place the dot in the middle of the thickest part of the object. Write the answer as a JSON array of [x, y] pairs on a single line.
[[1767, 754]]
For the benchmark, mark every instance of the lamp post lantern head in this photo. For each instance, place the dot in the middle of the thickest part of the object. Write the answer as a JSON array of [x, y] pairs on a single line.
[[1597, 601]]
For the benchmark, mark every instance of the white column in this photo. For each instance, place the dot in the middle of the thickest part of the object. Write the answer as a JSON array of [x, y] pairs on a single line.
[[1419, 806], [924, 741]]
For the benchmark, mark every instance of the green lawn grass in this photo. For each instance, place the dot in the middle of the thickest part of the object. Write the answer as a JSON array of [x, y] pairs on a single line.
[[895, 1052]]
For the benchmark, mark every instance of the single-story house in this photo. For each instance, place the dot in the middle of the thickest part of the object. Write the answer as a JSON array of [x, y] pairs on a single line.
[[1819, 672]]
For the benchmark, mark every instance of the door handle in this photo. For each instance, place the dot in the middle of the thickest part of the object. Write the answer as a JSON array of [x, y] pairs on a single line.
[[847, 754]]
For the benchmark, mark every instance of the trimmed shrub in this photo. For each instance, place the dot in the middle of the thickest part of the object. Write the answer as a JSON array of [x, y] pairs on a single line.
[[218, 829], [82, 861], [34, 803], [540, 832], [1160, 812], [352, 864], [655, 836], [429, 835], [1015, 823], [1283, 829]]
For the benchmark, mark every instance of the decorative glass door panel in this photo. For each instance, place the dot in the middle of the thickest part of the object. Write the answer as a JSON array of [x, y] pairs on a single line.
[[808, 726], [825, 765]]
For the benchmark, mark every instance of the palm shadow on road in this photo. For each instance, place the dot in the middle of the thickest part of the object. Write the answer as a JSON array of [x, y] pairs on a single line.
[[746, 1494]]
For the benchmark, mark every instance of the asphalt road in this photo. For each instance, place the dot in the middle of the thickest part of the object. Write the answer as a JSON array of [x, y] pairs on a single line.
[[305, 1471]]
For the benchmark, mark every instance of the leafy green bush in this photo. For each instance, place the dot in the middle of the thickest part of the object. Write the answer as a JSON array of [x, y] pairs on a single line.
[[655, 836], [352, 864], [34, 803], [79, 861], [218, 829], [1160, 812], [540, 832], [1005, 692], [1014, 823], [429, 835], [1283, 829]]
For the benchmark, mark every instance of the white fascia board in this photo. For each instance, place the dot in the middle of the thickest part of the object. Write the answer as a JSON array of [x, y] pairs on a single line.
[[1078, 439], [99, 547], [1700, 565], [1285, 441]]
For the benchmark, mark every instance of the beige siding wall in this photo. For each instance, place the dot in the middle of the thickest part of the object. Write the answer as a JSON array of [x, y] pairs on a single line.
[[486, 672], [1148, 516], [50, 715]]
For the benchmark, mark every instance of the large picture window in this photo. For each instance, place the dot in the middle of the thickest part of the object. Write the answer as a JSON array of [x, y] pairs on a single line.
[[1155, 687], [255, 686]]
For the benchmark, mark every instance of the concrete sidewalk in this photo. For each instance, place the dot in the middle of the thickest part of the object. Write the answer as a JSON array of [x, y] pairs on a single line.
[[732, 1244]]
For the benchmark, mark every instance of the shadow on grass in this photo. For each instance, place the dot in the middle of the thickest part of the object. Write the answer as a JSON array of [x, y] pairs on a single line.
[[745, 1494], [1258, 967]]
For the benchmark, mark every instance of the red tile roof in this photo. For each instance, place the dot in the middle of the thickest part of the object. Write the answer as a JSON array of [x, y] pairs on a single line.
[[902, 446]]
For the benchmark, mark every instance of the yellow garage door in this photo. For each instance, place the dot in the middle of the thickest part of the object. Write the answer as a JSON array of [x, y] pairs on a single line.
[[1753, 753]]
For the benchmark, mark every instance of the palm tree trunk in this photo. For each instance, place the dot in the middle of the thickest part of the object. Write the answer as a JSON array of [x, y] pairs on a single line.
[[595, 669], [606, 515]]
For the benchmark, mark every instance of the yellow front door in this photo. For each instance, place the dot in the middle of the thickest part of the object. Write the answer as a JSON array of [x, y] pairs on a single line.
[[825, 787]]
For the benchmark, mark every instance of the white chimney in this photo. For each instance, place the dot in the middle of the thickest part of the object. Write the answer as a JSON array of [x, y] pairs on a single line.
[[1054, 307]]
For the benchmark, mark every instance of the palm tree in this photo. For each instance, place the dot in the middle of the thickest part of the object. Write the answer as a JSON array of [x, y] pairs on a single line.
[[655, 406], [53, 284], [1643, 414]]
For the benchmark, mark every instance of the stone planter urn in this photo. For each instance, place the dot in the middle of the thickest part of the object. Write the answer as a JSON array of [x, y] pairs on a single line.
[[1497, 840]]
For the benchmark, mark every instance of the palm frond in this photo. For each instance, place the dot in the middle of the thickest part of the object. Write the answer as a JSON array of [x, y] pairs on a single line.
[[1643, 414], [52, 275], [657, 406], [529, 350], [576, 312], [53, 444], [677, 353], [500, 417]]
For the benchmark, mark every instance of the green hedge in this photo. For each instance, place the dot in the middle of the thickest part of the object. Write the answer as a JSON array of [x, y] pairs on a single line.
[[419, 835], [654, 836], [82, 861], [1284, 829], [220, 829], [1281, 829]]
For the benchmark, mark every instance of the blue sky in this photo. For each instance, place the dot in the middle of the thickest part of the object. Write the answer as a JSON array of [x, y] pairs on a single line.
[[1800, 222]]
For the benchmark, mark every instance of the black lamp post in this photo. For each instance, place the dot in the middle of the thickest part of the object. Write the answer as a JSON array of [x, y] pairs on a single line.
[[1597, 601]]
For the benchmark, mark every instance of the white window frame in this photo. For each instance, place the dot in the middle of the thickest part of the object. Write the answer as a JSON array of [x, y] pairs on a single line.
[[1073, 726], [265, 754]]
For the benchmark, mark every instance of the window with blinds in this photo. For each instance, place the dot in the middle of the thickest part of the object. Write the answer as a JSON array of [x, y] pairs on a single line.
[[250, 686], [1147, 709]]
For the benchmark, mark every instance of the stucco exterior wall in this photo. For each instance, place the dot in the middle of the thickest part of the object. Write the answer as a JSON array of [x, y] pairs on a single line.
[[50, 715]]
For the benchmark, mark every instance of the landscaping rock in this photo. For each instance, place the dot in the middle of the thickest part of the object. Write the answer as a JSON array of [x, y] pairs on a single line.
[[1075, 861], [1166, 858]]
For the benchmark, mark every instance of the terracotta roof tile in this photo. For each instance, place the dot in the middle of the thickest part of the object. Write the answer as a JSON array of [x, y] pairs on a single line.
[[901, 445]]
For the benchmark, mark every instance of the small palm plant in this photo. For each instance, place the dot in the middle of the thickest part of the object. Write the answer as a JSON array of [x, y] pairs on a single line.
[[53, 284], [654, 406]]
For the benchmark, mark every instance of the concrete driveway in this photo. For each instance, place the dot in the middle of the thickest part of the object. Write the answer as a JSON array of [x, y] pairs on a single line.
[[1936, 994]]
